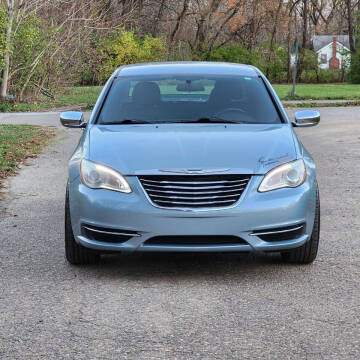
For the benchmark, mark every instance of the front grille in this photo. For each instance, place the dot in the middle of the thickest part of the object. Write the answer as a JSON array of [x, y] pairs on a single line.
[[198, 240], [280, 234], [106, 234], [194, 191]]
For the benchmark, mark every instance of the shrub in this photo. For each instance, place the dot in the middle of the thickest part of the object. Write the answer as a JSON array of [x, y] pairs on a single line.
[[273, 62], [4, 107], [326, 76], [125, 47], [355, 67], [87, 76], [309, 60], [274, 68], [234, 53], [309, 76], [329, 76]]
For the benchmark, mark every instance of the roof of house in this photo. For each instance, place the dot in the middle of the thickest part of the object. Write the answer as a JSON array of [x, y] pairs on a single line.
[[319, 41]]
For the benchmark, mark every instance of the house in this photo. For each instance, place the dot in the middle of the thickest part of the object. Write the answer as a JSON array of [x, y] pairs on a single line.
[[333, 51]]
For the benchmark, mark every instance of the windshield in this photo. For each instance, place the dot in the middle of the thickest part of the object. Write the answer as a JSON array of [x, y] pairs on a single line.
[[164, 99]]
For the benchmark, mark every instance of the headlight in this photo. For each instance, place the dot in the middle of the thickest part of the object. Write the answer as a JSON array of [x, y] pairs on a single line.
[[97, 176], [291, 174]]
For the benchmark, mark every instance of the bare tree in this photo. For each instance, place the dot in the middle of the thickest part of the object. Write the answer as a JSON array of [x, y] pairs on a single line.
[[349, 7], [68, 21]]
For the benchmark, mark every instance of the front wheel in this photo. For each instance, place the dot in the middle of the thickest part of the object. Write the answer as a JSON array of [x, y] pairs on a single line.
[[75, 253], [306, 253]]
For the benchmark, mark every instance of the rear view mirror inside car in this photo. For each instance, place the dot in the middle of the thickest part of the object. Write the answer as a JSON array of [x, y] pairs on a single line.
[[189, 86]]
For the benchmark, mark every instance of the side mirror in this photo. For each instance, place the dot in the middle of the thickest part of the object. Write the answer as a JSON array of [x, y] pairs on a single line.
[[306, 118], [72, 119]]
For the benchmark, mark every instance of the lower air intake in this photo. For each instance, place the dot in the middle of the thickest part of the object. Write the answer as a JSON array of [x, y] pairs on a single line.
[[195, 240]]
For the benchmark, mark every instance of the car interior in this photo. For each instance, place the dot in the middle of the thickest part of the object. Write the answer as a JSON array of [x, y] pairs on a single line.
[[240, 99]]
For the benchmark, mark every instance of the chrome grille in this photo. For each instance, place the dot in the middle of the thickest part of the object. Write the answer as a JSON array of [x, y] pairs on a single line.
[[194, 191]]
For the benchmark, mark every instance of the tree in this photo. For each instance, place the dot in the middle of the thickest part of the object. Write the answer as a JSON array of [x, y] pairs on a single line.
[[37, 31], [48, 43], [349, 15], [10, 10], [355, 56], [3, 27]]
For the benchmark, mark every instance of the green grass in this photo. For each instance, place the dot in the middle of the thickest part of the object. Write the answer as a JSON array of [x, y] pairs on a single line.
[[315, 104], [319, 91], [19, 142], [77, 95], [85, 96]]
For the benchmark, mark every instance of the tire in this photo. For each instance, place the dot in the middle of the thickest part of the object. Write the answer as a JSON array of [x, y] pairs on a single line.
[[75, 253], [306, 253]]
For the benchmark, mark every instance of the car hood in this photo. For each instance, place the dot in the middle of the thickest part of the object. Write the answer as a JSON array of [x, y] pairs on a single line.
[[230, 148]]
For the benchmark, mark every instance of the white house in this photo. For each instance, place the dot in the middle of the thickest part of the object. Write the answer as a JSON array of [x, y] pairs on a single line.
[[333, 51]]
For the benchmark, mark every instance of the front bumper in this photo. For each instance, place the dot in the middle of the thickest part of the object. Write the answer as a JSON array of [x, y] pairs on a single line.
[[133, 212]]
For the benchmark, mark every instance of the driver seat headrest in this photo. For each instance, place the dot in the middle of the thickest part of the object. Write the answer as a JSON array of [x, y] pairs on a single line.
[[146, 92]]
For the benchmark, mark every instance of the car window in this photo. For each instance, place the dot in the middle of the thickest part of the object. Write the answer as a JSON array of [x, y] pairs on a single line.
[[157, 99]]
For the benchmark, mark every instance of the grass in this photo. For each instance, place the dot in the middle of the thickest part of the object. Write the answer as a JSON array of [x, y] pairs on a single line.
[[319, 91], [79, 95], [19, 142], [323, 104], [85, 96]]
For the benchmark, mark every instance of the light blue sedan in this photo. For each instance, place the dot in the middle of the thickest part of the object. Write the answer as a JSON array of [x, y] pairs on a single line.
[[190, 156]]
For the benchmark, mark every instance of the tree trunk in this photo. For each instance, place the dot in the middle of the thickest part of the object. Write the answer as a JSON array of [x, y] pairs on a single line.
[[159, 18], [221, 28], [273, 34], [275, 25], [27, 80], [293, 90], [351, 27], [203, 24], [5, 77], [180, 20], [305, 23], [288, 60]]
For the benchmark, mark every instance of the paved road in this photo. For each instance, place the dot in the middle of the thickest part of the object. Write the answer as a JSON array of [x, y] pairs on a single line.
[[174, 306]]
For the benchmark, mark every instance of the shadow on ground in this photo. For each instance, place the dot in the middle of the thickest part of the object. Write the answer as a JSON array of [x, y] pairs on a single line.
[[183, 265]]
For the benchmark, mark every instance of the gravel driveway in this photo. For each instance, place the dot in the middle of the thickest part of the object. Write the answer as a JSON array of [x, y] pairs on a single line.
[[174, 306]]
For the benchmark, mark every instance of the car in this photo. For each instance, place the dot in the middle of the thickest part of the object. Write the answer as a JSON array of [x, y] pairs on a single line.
[[190, 157]]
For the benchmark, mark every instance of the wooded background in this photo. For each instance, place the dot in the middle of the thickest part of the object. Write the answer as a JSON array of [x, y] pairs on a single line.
[[53, 43]]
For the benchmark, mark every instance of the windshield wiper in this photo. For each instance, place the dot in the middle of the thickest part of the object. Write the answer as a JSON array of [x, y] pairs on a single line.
[[214, 120], [202, 120], [127, 121]]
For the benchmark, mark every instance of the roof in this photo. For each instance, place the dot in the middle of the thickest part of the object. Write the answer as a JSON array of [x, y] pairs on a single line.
[[319, 41], [188, 68]]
